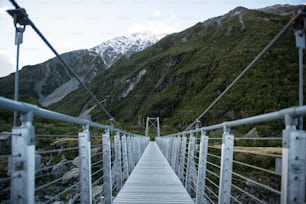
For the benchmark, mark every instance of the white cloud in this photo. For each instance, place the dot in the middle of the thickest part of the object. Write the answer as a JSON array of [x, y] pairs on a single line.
[[7, 65], [156, 13], [157, 23]]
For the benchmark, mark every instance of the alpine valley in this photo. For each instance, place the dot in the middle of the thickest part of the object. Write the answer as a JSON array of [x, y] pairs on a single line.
[[177, 77], [49, 82]]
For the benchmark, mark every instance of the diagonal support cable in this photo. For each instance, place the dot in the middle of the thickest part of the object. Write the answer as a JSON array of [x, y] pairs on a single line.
[[29, 22], [272, 42]]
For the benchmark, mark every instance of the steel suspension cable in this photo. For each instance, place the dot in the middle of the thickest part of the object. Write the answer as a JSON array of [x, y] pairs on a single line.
[[272, 42], [70, 70]]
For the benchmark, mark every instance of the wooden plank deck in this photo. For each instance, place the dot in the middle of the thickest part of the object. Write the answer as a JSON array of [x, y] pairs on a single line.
[[153, 182]]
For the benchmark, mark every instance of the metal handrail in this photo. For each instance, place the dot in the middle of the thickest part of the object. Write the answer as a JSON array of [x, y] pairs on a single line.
[[9, 104], [22, 107], [281, 114]]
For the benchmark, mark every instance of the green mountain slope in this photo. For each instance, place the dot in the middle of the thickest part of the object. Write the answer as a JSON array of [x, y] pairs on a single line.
[[178, 77]]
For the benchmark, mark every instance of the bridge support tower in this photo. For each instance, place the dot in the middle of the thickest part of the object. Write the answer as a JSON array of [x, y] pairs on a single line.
[[152, 123]]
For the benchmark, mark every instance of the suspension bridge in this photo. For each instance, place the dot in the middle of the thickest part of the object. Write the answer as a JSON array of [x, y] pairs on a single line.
[[104, 164]]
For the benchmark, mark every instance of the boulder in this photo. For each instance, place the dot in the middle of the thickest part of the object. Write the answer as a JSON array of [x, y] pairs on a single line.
[[97, 191], [76, 162], [70, 176], [58, 170]]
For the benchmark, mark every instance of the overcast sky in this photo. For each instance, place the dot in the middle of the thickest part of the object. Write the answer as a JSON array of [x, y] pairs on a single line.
[[79, 24]]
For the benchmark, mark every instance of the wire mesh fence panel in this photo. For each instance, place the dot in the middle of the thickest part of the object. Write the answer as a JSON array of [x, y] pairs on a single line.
[[257, 169], [57, 168]]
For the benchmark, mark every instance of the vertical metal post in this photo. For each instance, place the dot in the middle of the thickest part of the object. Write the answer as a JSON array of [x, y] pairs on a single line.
[[191, 145], [169, 149], [134, 150], [202, 168], [300, 39], [301, 95], [225, 181], [293, 163], [182, 158], [23, 162], [107, 171], [130, 154], [147, 127], [118, 167], [173, 152], [85, 165], [143, 144], [124, 158], [178, 150], [18, 41], [138, 145], [158, 130]]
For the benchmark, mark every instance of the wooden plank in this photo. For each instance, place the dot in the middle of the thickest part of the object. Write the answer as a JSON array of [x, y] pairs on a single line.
[[153, 182]]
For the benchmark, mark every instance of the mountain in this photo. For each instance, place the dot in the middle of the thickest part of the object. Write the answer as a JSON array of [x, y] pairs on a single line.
[[114, 49], [49, 82], [179, 76]]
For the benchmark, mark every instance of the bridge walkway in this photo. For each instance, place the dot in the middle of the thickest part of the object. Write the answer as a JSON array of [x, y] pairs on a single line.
[[153, 182]]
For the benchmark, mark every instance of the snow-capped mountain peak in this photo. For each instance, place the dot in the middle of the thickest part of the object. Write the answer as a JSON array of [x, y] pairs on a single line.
[[111, 50]]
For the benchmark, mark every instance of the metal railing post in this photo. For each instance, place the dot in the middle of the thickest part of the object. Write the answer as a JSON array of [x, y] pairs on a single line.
[[130, 154], [178, 150], [85, 165], [124, 158], [191, 147], [134, 150], [225, 181], [23, 162], [173, 152], [118, 167], [107, 171], [293, 163], [182, 158], [138, 148], [202, 169], [169, 149]]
